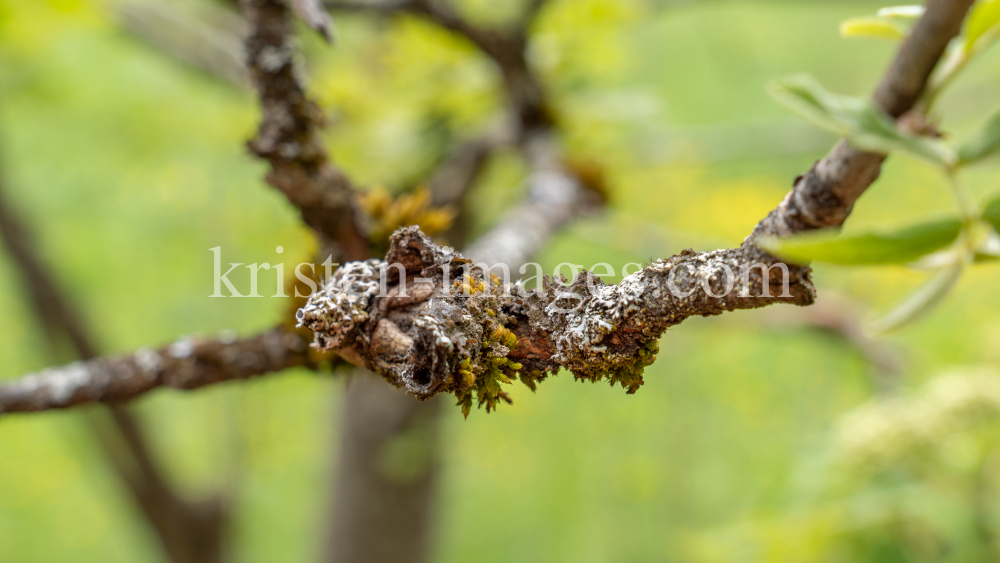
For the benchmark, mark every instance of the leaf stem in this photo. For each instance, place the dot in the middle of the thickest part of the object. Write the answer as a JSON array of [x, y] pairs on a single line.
[[958, 57], [956, 60], [960, 190]]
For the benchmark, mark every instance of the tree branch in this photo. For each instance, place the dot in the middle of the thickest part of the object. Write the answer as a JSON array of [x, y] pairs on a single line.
[[840, 318], [192, 363], [454, 177], [907, 76], [606, 334], [376, 8], [531, 11], [467, 337], [288, 137], [191, 531], [188, 363], [457, 173], [53, 311], [825, 195], [554, 197], [440, 12]]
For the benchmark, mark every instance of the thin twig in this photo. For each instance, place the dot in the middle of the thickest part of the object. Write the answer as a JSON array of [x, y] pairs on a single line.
[[288, 136], [188, 363], [841, 318], [825, 195], [455, 176]]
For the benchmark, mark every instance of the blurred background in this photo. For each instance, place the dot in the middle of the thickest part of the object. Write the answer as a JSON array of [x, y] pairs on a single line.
[[743, 445]]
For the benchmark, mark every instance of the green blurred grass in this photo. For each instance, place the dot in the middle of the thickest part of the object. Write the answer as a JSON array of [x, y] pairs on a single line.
[[132, 167]]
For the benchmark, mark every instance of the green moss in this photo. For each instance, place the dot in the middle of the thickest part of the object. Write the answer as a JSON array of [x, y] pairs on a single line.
[[628, 374], [533, 378], [481, 378]]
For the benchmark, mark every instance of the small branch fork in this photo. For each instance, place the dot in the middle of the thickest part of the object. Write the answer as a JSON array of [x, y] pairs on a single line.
[[823, 197]]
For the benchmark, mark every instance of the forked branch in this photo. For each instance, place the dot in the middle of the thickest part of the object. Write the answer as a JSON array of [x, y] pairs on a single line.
[[469, 336], [591, 328]]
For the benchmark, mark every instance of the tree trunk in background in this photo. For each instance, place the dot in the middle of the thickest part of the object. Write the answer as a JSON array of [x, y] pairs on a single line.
[[386, 475]]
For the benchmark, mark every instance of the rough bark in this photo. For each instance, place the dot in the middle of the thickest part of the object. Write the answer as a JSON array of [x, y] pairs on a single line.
[[446, 327], [388, 452], [188, 363], [288, 137], [378, 516]]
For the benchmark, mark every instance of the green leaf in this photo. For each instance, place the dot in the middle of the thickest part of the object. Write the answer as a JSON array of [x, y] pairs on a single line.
[[984, 19], [875, 131], [922, 301], [867, 127], [803, 95], [986, 143], [868, 26], [897, 247]]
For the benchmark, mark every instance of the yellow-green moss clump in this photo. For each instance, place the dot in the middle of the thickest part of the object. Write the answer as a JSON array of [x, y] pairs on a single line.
[[627, 374], [481, 378]]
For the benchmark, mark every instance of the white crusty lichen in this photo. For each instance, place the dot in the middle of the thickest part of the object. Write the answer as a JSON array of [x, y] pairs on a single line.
[[60, 385], [584, 319], [590, 310], [437, 330], [342, 304], [272, 58], [148, 362]]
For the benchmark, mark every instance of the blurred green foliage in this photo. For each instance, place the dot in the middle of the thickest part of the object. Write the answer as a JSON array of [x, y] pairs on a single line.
[[132, 166]]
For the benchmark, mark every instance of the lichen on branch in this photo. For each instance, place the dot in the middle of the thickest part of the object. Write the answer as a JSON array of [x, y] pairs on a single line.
[[430, 321]]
